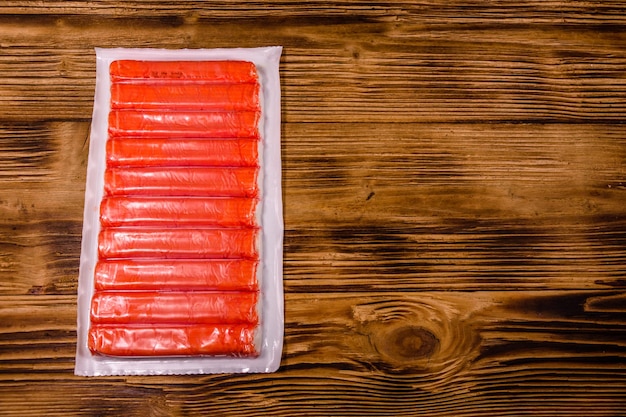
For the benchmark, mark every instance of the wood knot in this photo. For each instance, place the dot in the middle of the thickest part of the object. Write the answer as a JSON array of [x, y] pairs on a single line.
[[410, 343], [430, 335]]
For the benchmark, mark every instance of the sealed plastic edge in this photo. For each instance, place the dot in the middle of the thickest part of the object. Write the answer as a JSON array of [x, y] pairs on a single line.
[[270, 336]]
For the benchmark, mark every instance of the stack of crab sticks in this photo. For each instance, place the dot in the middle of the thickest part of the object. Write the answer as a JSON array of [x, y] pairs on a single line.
[[178, 247]]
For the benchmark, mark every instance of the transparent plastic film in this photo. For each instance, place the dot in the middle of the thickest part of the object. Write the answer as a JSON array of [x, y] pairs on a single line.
[[187, 96], [151, 152], [159, 123], [178, 211], [195, 340], [237, 70], [174, 307], [177, 274], [142, 243], [182, 181]]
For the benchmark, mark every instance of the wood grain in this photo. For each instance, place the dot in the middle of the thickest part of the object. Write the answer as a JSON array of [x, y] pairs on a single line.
[[460, 206], [382, 72], [454, 184], [372, 207], [438, 353], [428, 12]]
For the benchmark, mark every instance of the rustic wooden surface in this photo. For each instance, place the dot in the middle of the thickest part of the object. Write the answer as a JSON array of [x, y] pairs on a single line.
[[455, 206]]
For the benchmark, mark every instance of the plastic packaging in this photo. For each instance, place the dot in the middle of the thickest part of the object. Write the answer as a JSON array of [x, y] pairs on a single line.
[[182, 181], [181, 259], [178, 211], [132, 151], [173, 275], [182, 123]]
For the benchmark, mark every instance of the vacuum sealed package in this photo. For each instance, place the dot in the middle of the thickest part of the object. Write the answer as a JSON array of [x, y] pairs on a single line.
[[181, 258]]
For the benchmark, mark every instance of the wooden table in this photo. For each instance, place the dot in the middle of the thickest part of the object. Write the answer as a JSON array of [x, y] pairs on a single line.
[[455, 206]]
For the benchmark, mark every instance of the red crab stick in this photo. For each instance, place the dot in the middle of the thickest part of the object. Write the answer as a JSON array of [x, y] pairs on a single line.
[[230, 340], [177, 243], [172, 152], [182, 181], [222, 97], [178, 211], [177, 275], [193, 307], [207, 71], [241, 124]]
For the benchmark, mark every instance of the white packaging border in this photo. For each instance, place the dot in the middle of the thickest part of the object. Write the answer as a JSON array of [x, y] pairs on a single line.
[[266, 60]]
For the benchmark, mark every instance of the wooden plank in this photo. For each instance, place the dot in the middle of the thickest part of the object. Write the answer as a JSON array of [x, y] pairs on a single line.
[[40, 152], [371, 207], [453, 206], [439, 353], [40, 257], [71, 397], [354, 71], [42, 188], [431, 11], [346, 173]]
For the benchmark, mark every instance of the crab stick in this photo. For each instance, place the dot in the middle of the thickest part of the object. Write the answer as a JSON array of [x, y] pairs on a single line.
[[173, 152], [217, 339], [177, 275], [172, 307], [178, 211], [206, 71], [177, 243], [182, 181], [216, 124], [221, 97]]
